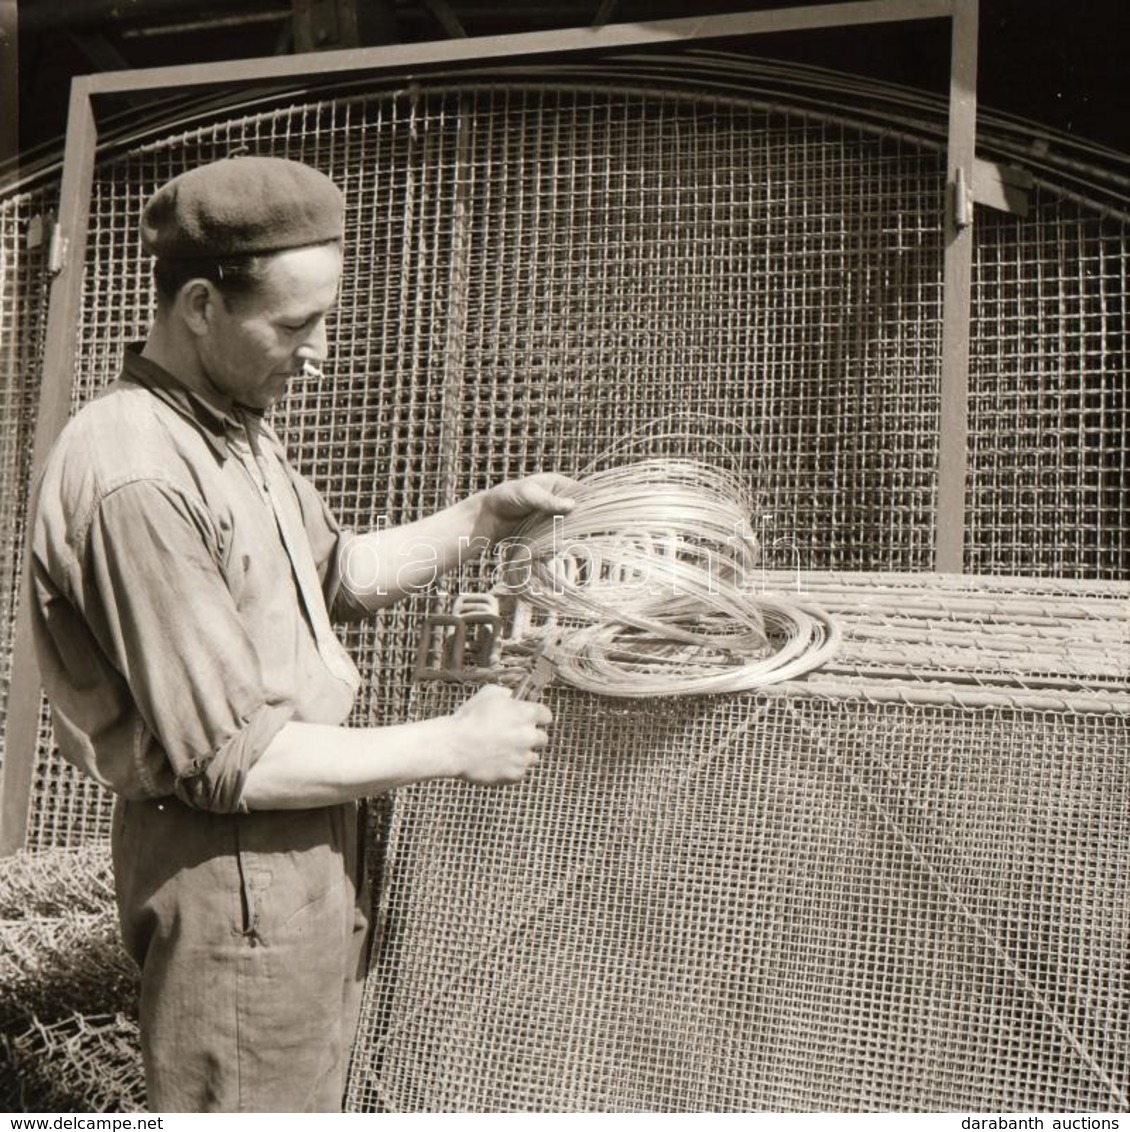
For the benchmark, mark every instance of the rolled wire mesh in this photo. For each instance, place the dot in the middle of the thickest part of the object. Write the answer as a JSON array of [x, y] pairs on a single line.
[[73, 962], [84, 1063], [972, 640], [59, 946], [809, 900], [56, 881], [68, 991]]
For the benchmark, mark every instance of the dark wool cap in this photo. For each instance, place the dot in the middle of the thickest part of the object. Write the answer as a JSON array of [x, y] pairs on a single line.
[[241, 206]]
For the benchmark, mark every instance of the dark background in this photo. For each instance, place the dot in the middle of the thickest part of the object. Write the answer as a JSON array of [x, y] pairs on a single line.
[[1054, 62]]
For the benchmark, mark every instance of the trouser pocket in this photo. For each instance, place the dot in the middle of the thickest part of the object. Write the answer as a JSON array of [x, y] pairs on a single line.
[[293, 865]]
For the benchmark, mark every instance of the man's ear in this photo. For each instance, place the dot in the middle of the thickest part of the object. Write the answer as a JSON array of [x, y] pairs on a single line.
[[197, 302]]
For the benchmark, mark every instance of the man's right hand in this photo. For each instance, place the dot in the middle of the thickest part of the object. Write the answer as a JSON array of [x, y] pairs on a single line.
[[499, 736]]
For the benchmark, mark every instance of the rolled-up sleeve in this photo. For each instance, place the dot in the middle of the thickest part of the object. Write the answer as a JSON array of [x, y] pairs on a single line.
[[153, 592]]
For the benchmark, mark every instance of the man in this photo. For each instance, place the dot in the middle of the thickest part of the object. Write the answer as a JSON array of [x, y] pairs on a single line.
[[183, 576]]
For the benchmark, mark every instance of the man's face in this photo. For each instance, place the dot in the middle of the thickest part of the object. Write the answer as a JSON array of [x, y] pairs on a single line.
[[258, 341]]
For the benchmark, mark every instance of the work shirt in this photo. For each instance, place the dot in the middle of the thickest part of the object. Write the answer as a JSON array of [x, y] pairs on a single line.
[[183, 575]]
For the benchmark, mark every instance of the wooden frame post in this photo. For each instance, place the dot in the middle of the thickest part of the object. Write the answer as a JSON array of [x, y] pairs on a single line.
[[69, 251]]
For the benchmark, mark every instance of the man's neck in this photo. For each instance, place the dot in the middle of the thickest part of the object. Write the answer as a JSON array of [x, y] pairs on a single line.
[[177, 357]]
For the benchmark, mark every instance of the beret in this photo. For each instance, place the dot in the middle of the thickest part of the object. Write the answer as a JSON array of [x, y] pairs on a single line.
[[242, 206]]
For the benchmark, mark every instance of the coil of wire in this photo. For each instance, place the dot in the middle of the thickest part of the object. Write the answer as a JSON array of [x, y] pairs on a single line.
[[648, 587]]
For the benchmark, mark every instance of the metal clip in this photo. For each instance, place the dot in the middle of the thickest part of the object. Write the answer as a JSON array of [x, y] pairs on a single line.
[[57, 250], [962, 201], [45, 229]]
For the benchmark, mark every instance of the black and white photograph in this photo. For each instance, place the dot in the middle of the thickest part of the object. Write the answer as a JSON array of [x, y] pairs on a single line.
[[565, 558]]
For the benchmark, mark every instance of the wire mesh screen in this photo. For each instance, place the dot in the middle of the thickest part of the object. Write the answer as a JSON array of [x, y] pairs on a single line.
[[811, 900], [1049, 407], [912, 902], [534, 275], [775, 277]]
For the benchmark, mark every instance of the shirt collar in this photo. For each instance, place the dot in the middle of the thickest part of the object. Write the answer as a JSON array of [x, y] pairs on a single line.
[[212, 414]]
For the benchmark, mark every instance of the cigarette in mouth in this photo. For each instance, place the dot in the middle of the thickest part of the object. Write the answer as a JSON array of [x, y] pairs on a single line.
[[311, 370]]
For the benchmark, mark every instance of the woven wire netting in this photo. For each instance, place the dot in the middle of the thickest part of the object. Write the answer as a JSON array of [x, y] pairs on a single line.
[[921, 905], [534, 274], [1049, 416], [802, 900]]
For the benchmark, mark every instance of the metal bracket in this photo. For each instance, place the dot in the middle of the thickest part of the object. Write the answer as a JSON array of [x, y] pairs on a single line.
[[462, 645], [1004, 187], [323, 24], [39, 230]]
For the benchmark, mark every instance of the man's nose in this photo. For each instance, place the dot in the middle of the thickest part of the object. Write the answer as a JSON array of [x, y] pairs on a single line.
[[316, 346]]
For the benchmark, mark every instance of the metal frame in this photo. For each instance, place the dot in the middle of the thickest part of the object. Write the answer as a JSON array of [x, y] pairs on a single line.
[[78, 172]]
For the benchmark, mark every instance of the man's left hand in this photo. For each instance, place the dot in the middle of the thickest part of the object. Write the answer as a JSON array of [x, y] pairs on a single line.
[[508, 504]]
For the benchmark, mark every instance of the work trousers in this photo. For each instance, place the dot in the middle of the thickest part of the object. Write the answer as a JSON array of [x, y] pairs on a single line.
[[250, 932]]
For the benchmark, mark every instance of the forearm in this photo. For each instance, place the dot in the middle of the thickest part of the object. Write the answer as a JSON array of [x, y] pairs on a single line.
[[385, 565], [491, 739], [311, 764], [377, 569]]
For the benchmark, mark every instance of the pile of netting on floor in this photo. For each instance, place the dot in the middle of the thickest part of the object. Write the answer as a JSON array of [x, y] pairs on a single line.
[[68, 991]]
